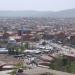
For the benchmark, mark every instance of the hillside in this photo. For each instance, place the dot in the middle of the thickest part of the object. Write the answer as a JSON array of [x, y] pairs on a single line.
[[64, 13]]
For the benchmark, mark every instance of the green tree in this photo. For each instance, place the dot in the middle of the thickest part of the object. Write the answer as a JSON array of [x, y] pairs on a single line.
[[61, 63]]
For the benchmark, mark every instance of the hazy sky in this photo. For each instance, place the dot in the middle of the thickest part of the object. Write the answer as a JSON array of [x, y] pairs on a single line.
[[41, 5]]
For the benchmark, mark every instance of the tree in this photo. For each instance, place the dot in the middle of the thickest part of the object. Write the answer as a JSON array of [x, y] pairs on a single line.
[[44, 43], [13, 49], [26, 45], [62, 63]]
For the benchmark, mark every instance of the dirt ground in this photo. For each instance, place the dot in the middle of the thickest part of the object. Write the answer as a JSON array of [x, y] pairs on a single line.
[[9, 59]]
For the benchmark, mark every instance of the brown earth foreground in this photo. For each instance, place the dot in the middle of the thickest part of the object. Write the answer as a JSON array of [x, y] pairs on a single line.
[[38, 71]]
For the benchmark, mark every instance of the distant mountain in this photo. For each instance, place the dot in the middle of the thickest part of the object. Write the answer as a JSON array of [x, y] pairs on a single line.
[[64, 13], [25, 13]]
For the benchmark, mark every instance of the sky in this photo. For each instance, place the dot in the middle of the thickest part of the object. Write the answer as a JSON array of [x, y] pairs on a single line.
[[39, 5]]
